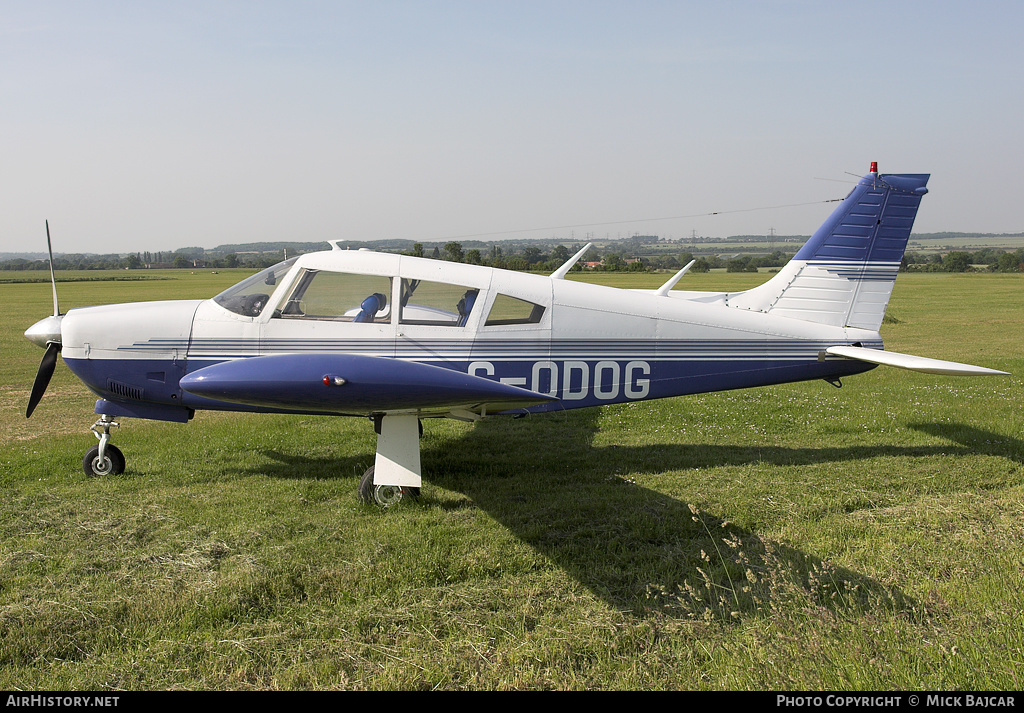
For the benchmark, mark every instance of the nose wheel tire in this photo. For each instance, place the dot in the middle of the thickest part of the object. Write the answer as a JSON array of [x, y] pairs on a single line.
[[112, 462], [384, 496]]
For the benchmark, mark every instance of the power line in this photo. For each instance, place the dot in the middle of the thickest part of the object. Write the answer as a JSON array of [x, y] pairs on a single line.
[[637, 220]]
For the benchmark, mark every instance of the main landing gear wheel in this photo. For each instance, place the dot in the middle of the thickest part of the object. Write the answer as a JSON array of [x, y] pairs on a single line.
[[384, 496], [112, 462]]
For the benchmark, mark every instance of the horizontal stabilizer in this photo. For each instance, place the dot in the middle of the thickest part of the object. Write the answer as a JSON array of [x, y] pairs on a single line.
[[913, 363], [349, 384]]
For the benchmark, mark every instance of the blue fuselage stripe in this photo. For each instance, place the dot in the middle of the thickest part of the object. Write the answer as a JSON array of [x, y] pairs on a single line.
[[579, 373]]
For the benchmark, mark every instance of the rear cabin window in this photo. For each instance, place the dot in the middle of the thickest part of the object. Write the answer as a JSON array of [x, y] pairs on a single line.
[[435, 303], [512, 310], [338, 297]]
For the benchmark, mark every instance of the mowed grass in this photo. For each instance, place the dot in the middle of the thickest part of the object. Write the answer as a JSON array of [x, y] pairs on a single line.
[[789, 538]]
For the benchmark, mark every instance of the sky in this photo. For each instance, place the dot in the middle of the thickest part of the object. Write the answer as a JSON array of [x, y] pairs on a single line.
[[135, 126]]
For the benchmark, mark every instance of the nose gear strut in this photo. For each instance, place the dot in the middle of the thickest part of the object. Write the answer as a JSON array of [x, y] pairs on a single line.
[[105, 458]]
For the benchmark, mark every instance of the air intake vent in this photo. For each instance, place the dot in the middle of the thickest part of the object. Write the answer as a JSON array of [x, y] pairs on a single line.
[[124, 390]]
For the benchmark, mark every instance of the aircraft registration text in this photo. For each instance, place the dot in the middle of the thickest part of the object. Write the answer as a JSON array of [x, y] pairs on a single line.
[[573, 380]]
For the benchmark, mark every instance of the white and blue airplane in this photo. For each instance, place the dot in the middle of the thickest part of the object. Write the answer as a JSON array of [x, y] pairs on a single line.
[[398, 338]]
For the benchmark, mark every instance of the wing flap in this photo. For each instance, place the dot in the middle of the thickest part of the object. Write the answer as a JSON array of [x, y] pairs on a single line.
[[911, 362]]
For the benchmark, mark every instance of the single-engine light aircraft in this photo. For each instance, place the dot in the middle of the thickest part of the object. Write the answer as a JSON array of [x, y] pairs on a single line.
[[397, 338]]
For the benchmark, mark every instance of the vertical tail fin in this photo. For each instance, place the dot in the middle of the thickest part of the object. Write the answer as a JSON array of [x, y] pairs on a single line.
[[843, 275]]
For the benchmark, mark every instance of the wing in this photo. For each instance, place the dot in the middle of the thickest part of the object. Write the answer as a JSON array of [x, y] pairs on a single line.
[[351, 384]]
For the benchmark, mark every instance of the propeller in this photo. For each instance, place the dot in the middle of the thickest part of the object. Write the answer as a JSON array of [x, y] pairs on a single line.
[[46, 367], [46, 333]]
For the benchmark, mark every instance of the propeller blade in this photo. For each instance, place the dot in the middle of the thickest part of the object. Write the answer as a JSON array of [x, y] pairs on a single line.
[[53, 280], [46, 367]]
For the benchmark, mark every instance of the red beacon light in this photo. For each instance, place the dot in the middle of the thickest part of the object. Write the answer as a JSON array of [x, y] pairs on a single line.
[[874, 167]]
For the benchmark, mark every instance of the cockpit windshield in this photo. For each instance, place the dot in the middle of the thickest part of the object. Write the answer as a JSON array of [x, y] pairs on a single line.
[[250, 296]]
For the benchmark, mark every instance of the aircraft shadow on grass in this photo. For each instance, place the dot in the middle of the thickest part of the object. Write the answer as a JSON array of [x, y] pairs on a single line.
[[637, 549], [975, 440]]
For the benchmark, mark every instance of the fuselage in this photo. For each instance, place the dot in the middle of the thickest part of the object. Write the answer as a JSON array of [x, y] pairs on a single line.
[[579, 344]]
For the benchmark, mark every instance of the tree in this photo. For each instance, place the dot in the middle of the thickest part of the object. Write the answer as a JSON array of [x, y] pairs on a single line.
[[533, 255], [1008, 262], [741, 264], [956, 261], [614, 261], [453, 252]]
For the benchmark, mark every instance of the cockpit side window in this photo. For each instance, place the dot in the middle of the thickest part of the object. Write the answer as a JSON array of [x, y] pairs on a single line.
[[512, 310], [250, 296], [338, 297], [436, 303]]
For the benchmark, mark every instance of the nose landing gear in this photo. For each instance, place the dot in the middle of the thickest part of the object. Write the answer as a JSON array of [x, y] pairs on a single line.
[[104, 458]]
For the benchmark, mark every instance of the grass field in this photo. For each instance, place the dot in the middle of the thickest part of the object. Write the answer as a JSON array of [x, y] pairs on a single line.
[[798, 537]]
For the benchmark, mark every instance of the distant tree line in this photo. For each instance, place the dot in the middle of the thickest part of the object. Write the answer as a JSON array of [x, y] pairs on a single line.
[[145, 260], [631, 255], [986, 259], [610, 260]]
